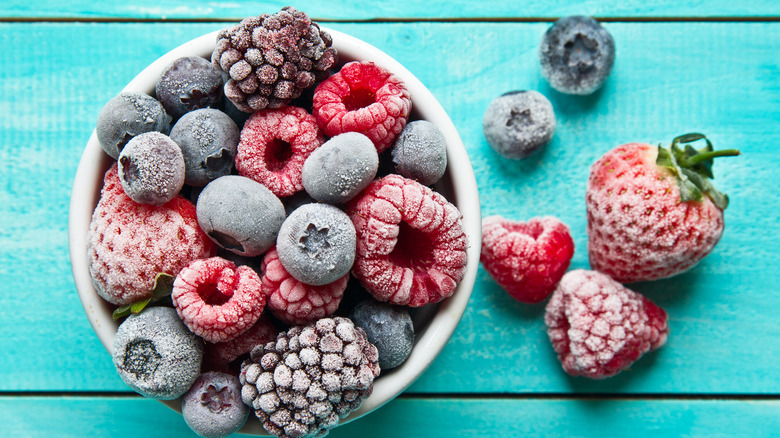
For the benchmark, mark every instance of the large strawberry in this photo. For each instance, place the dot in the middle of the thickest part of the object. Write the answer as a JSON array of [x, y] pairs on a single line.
[[652, 211]]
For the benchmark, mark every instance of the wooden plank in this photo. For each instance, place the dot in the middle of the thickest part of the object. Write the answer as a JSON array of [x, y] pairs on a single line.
[[125, 417], [670, 78], [405, 9]]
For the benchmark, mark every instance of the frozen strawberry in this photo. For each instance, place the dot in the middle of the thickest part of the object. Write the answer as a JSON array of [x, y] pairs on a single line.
[[652, 211], [216, 300], [295, 302], [598, 327], [274, 145], [527, 259], [130, 243], [411, 247], [363, 97]]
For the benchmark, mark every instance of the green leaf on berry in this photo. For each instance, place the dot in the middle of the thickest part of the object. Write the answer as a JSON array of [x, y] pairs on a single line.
[[121, 312], [162, 289]]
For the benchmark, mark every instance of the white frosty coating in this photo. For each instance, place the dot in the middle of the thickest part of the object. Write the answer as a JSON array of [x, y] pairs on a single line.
[[209, 142], [213, 407], [127, 115], [598, 327], [420, 152], [339, 169], [518, 123], [151, 168], [188, 83]]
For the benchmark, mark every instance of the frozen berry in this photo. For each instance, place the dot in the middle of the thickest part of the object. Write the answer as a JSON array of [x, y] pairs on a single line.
[[420, 152], [363, 97], [389, 328], [130, 243], [339, 169], [527, 259], [295, 302], [127, 115], [411, 247], [208, 139], [598, 327], [271, 59], [156, 355], [240, 215], [518, 123], [291, 203], [151, 168], [263, 331], [316, 244], [274, 145], [577, 55], [212, 407], [187, 84], [216, 300]]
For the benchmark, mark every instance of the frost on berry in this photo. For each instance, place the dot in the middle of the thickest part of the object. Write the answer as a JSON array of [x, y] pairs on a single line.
[[141, 358]]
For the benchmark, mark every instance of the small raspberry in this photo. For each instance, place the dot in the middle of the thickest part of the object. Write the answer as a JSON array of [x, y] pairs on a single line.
[[130, 243], [216, 300], [363, 97], [274, 145], [598, 327], [261, 332], [411, 247], [294, 302], [527, 259]]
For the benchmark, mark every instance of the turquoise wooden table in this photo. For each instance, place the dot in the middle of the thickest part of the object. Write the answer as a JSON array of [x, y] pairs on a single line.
[[712, 67]]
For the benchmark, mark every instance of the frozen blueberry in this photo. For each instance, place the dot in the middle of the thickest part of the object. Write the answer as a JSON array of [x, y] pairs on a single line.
[[518, 123], [292, 202], [577, 55], [156, 355], [340, 168], [127, 115], [151, 168], [240, 214], [187, 84], [213, 406], [420, 152], [316, 244], [209, 141], [388, 327]]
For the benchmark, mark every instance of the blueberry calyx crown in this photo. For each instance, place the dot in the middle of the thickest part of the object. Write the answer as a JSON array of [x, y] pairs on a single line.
[[693, 167]]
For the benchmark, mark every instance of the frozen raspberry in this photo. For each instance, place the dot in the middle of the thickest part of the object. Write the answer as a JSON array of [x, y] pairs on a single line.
[[598, 327], [294, 302], [130, 243], [271, 59], [363, 97], [225, 352], [527, 259], [411, 247], [274, 145], [216, 300]]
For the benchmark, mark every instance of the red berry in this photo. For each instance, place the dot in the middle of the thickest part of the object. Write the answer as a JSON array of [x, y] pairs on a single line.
[[411, 247], [216, 300], [273, 146], [598, 327], [527, 259], [363, 97], [130, 243], [295, 302], [261, 332]]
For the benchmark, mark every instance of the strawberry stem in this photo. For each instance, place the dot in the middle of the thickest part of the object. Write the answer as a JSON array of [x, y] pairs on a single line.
[[704, 156]]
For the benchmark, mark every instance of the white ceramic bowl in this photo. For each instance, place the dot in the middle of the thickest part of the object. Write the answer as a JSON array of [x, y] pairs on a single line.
[[458, 185]]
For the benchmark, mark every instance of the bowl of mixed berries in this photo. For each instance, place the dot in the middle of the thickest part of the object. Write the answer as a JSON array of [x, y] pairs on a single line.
[[274, 228]]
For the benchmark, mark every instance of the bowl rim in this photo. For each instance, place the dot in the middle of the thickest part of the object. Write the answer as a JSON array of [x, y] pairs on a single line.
[[465, 196]]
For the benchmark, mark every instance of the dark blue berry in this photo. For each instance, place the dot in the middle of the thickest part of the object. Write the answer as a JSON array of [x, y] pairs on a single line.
[[577, 55], [388, 327], [213, 406], [209, 141], [187, 84], [420, 152], [518, 123], [339, 169], [127, 115], [151, 168]]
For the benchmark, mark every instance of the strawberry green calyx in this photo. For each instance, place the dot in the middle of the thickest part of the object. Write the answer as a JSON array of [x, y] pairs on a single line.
[[693, 168], [163, 286]]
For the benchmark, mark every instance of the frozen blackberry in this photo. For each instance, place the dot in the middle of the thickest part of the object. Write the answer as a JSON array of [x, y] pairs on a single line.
[[316, 244], [518, 123], [339, 169], [420, 152], [388, 327], [127, 115], [212, 407], [577, 55], [151, 168], [209, 142], [302, 384], [156, 355], [240, 215], [271, 59], [187, 84]]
